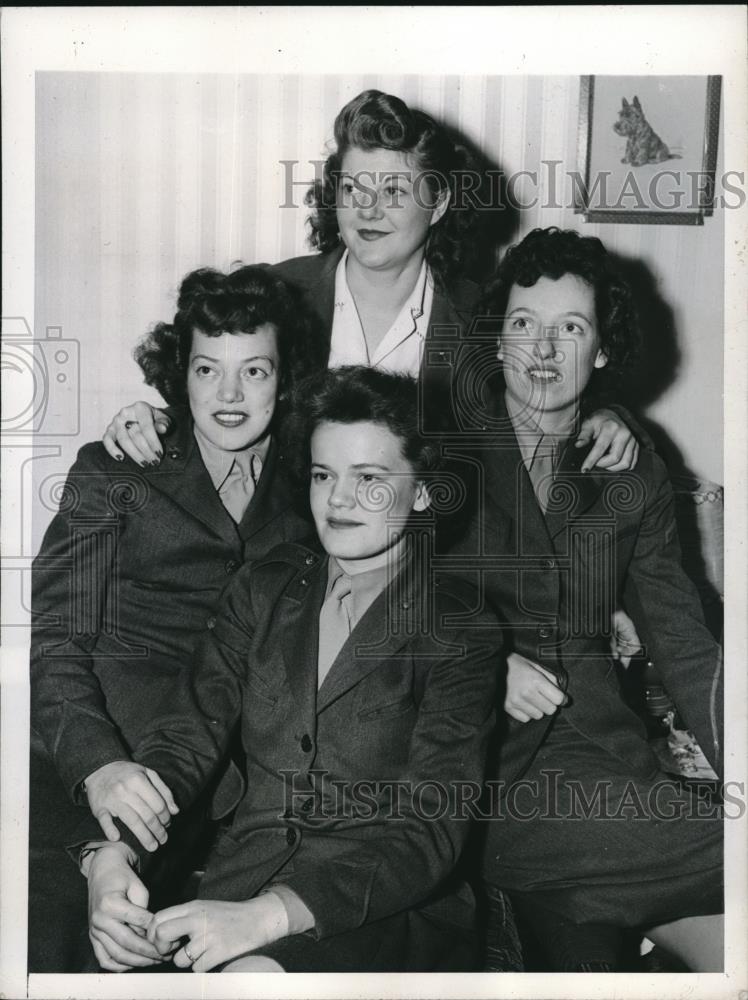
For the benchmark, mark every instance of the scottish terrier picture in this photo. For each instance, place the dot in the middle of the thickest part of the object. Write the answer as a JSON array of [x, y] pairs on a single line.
[[643, 145]]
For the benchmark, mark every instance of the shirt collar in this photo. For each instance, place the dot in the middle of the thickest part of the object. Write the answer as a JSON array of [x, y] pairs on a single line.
[[369, 577], [219, 462], [529, 433]]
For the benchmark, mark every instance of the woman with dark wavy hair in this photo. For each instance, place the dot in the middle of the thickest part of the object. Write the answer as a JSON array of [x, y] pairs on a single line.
[[129, 574], [394, 223], [574, 758]]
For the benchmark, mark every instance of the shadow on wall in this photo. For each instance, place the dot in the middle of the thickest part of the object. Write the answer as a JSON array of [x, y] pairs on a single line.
[[497, 218], [699, 504]]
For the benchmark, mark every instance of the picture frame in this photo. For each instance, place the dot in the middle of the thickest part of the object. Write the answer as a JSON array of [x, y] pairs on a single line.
[[647, 149]]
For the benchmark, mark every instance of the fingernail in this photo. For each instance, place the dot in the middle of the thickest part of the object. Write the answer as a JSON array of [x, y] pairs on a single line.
[[119, 458], [160, 453], [155, 462]]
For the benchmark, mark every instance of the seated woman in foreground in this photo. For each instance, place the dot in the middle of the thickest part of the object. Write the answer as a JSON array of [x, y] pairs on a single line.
[[364, 716]]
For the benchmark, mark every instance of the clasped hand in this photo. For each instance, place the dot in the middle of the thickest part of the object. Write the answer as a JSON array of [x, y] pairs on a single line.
[[202, 934]]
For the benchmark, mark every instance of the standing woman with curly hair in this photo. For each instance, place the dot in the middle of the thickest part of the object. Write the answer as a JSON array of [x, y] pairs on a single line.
[[129, 574], [394, 224]]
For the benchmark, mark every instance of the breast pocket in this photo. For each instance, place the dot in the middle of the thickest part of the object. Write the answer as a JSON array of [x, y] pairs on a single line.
[[389, 710], [259, 690]]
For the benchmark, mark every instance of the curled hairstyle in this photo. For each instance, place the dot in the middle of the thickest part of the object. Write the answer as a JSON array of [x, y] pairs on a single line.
[[375, 120], [552, 253], [239, 302], [354, 394]]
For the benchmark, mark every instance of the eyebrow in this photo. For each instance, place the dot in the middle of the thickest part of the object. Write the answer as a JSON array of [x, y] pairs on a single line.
[[385, 175], [244, 361], [566, 315], [360, 465]]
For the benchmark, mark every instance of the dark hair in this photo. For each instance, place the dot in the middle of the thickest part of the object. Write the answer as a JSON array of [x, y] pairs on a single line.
[[375, 120], [239, 302], [353, 394], [552, 253]]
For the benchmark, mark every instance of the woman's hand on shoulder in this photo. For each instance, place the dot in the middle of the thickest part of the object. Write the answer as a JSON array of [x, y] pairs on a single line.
[[135, 431], [614, 447], [134, 794]]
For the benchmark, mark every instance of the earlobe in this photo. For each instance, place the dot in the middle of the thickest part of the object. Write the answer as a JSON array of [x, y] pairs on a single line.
[[441, 206], [422, 499], [601, 360]]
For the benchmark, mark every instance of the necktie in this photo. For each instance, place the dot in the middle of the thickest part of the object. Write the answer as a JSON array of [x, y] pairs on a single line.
[[239, 486], [541, 471], [334, 624]]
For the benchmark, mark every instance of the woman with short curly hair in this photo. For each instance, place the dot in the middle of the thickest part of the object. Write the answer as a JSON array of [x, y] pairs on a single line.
[[130, 571]]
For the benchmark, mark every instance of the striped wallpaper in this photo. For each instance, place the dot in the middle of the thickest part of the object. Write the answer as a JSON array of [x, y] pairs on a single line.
[[142, 177]]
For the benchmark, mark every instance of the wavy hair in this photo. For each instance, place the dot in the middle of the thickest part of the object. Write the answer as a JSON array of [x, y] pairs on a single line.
[[353, 394], [238, 302], [374, 120], [552, 253]]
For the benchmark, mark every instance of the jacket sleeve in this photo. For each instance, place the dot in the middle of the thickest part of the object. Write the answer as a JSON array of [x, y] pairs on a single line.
[[189, 735], [189, 738], [72, 582], [666, 607], [418, 831]]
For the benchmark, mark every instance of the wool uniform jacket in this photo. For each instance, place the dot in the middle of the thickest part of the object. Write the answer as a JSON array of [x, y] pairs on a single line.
[[607, 540], [452, 315], [353, 790], [129, 573]]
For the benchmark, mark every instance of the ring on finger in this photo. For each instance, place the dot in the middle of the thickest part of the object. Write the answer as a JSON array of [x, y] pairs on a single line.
[[129, 424], [185, 948]]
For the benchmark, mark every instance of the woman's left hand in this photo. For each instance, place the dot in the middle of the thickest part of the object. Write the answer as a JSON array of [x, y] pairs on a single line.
[[615, 448], [217, 931]]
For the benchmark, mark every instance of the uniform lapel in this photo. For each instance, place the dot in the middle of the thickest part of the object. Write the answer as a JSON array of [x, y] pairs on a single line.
[[449, 323], [509, 485], [299, 612], [319, 287], [577, 491], [388, 624], [182, 476], [272, 495]]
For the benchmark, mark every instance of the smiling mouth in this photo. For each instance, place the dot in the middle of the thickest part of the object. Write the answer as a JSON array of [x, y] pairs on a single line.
[[230, 418], [544, 375], [371, 234], [336, 522]]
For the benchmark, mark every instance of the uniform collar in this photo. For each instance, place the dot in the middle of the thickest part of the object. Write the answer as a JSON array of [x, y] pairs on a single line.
[[220, 462]]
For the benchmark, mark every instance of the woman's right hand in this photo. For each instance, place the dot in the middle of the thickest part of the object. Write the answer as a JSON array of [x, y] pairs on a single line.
[[136, 795], [134, 431], [531, 690]]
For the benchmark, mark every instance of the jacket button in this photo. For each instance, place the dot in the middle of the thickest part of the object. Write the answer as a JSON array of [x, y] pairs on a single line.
[[303, 581], [306, 743], [550, 563], [232, 566], [290, 837], [545, 633], [174, 453], [211, 622], [309, 560]]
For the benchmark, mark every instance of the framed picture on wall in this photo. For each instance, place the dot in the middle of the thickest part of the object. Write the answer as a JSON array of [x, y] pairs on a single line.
[[647, 148]]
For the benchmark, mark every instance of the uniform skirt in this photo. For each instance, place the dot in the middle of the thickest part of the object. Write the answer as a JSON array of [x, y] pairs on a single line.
[[584, 838]]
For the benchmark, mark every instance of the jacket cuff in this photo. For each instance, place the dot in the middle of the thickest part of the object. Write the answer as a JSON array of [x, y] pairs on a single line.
[[92, 748]]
